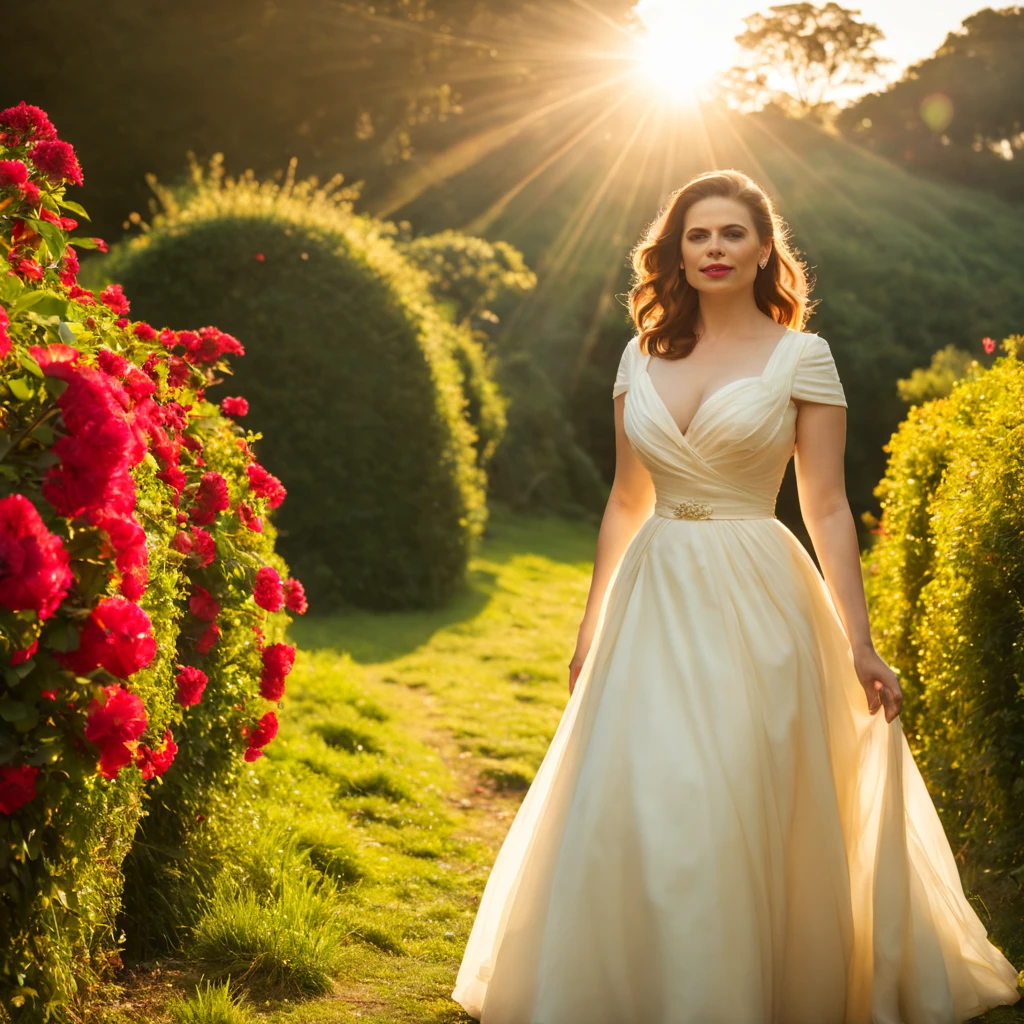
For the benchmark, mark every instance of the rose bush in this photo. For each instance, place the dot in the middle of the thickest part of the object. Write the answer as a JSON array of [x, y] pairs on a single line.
[[138, 588]]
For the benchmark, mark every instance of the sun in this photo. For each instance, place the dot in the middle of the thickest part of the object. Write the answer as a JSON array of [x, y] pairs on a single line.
[[680, 49]]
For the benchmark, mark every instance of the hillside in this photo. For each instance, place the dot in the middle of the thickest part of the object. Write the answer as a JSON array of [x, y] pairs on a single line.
[[904, 266]]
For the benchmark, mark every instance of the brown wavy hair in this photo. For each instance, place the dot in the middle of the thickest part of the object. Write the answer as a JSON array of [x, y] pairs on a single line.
[[664, 306]]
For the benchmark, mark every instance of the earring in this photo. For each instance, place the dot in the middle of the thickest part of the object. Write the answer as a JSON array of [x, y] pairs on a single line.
[[763, 263]]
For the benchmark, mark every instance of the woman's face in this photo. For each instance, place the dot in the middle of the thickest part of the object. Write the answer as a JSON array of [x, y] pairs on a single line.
[[719, 232]]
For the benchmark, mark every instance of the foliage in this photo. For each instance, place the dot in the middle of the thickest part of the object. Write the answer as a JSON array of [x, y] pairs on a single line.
[[948, 365], [383, 82], [388, 490], [539, 465], [944, 580], [957, 114], [468, 274], [132, 544]]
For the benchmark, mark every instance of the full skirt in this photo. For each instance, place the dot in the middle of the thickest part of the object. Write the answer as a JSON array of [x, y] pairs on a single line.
[[720, 831]]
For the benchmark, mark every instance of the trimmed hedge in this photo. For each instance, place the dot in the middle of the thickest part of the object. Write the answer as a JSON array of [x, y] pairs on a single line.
[[353, 374], [945, 579], [136, 562]]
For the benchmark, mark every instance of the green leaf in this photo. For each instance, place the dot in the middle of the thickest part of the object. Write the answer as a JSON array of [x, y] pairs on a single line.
[[83, 242], [43, 434], [20, 388], [62, 636], [74, 208], [9, 750], [10, 287], [51, 234], [51, 305], [16, 711], [69, 331], [44, 755], [30, 299], [30, 364]]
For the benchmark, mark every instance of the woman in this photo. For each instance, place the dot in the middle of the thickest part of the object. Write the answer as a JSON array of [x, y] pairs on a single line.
[[724, 828]]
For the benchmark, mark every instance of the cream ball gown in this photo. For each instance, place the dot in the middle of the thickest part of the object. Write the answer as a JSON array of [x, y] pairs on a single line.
[[720, 832]]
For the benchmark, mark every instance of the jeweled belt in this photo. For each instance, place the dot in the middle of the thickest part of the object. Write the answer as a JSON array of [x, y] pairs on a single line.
[[694, 508], [691, 508]]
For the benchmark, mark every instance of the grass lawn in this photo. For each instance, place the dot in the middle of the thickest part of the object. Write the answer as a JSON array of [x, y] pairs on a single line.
[[407, 741]]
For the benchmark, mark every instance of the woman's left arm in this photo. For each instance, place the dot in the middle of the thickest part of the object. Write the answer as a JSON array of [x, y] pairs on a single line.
[[821, 485]]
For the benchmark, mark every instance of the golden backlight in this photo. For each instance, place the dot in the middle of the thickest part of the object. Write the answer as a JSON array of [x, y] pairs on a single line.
[[680, 49]]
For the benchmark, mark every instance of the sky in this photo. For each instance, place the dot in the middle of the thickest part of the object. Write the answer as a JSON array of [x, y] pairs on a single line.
[[913, 29]]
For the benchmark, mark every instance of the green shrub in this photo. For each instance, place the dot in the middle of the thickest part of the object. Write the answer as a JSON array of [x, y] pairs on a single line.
[[948, 365], [539, 466], [352, 373], [103, 433], [944, 580]]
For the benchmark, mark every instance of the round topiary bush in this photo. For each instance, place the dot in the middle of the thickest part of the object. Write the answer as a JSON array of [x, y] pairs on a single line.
[[352, 374]]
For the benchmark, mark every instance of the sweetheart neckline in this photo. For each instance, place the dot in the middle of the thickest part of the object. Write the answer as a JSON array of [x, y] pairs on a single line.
[[685, 435]]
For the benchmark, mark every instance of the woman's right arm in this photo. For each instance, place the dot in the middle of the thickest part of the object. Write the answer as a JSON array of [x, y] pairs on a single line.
[[630, 504]]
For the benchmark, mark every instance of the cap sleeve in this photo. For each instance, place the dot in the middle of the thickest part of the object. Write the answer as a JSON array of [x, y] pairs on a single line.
[[624, 376], [816, 378]]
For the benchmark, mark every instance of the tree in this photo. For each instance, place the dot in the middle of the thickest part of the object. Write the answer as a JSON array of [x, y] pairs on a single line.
[[959, 114], [800, 56]]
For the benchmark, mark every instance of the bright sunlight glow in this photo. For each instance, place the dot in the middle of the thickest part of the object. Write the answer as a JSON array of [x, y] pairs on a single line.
[[683, 46]]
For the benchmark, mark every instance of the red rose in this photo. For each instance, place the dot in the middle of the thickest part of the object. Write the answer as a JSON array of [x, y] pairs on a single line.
[[156, 762], [295, 596], [57, 161], [203, 547], [17, 786], [191, 683], [268, 591], [34, 572], [69, 267], [118, 635], [208, 638], [144, 331], [128, 540], [29, 269], [988, 345], [17, 657], [24, 122], [12, 172], [265, 485], [111, 363], [260, 736], [203, 604], [5, 340], [30, 191], [249, 519], [114, 298], [211, 498], [82, 295], [179, 372], [278, 660], [130, 645], [175, 479], [115, 727], [234, 406]]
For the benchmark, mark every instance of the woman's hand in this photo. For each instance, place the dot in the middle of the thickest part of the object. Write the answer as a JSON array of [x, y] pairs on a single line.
[[881, 685], [583, 642]]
